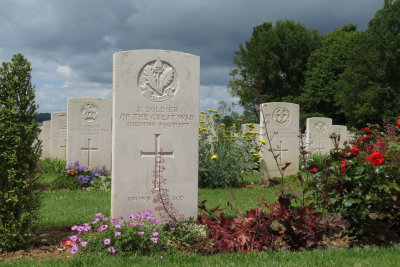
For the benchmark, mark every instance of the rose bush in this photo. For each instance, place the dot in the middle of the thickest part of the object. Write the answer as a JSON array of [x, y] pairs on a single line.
[[362, 181]]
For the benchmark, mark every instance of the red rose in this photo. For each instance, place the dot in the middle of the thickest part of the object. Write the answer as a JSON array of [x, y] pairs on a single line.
[[354, 150], [376, 158], [343, 167], [398, 123]]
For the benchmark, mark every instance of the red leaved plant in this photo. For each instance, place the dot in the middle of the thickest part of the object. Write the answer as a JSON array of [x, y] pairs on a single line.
[[274, 226]]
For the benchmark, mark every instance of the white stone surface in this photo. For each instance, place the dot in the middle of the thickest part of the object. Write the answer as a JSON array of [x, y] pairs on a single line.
[[45, 137], [89, 131], [318, 130], [281, 121], [58, 135], [156, 108]]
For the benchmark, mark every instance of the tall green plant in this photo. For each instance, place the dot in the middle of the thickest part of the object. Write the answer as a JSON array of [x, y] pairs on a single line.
[[19, 154]]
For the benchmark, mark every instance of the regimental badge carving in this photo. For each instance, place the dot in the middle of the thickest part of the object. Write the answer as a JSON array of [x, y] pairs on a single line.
[[281, 115], [158, 80], [62, 122], [89, 112], [321, 127]]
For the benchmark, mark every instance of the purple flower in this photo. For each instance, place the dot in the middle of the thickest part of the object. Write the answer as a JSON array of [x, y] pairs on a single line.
[[114, 220], [154, 240], [155, 234], [83, 244], [99, 215], [117, 226], [142, 223], [73, 228], [133, 223], [105, 219], [140, 233], [102, 228], [117, 233], [131, 216], [74, 249], [73, 238], [172, 228], [111, 250], [107, 241]]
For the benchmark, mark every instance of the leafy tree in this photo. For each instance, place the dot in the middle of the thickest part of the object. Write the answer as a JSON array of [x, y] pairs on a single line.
[[325, 65], [271, 65], [19, 154]]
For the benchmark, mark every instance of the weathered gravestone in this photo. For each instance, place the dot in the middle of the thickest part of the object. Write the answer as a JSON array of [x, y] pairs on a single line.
[[89, 131], [342, 133], [281, 121], [155, 133], [45, 137], [58, 135], [318, 130]]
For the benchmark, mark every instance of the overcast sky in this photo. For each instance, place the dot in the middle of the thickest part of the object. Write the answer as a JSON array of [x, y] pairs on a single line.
[[70, 43]]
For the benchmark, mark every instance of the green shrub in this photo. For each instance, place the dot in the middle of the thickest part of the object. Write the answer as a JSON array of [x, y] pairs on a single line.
[[362, 182], [53, 166], [224, 155], [19, 154]]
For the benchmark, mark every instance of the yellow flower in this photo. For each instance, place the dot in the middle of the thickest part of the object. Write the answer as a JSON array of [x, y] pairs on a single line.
[[222, 124], [214, 156], [257, 155], [216, 115], [212, 110], [202, 129], [202, 121], [259, 161], [262, 150], [262, 141], [202, 112], [232, 127]]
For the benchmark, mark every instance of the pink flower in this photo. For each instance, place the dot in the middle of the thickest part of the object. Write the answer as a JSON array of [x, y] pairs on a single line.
[[107, 241], [74, 249], [140, 233], [83, 244], [111, 250], [133, 223], [154, 240], [155, 234], [117, 233]]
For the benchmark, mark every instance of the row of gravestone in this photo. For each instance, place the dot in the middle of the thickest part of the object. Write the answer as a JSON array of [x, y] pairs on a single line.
[[83, 133], [154, 134], [280, 124]]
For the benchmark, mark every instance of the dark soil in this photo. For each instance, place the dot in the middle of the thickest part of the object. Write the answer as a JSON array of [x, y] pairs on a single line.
[[48, 245]]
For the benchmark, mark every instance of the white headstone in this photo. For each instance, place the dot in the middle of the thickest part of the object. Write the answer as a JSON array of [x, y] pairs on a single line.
[[282, 125], [341, 130], [45, 137], [155, 114], [318, 130], [89, 131], [58, 135]]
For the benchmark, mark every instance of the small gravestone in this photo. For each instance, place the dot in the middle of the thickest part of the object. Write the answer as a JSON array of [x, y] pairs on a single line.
[[341, 132], [45, 138], [318, 130], [58, 135], [89, 131], [281, 121], [155, 133]]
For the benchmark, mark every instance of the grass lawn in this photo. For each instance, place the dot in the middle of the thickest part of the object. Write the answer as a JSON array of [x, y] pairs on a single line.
[[67, 208]]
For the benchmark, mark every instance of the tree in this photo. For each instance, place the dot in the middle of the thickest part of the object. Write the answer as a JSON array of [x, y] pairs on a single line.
[[19, 154], [319, 96], [271, 66]]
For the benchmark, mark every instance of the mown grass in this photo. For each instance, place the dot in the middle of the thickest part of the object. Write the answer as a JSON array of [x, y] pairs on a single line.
[[351, 257]]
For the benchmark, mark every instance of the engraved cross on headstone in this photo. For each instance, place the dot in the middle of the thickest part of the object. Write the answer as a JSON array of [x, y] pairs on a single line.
[[280, 150], [65, 148], [154, 154], [320, 148], [88, 149]]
